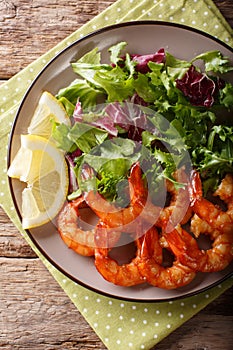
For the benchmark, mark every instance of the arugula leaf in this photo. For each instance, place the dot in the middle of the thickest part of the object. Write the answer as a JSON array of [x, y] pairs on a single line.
[[168, 151], [168, 135], [216, 158], [111, 162], [221, 140]]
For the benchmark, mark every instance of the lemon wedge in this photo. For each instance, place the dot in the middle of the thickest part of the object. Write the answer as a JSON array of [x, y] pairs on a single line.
[[30, 159], [43, 167], [48, 109]]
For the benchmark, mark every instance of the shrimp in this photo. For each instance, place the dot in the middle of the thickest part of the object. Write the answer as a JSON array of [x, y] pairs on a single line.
[[199, 226], [179, 210], [126, 218], [141, 207], [209, 220], [79, 240], [125, 275], [150, 265], [186, 248], [207, 211], [225, 193]]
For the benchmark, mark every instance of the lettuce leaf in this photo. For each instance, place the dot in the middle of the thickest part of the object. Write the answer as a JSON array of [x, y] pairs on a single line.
[[214, 61], [116, 51], [82, 90], [226, 96], [80, 135]]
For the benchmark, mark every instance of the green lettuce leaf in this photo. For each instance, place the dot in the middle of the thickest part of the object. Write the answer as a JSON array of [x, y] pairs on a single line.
[[214, 61], [226, 96], [80, 135], [82, 90], [116, 51]]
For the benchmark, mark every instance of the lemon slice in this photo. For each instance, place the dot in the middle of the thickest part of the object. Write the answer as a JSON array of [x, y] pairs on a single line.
[[48, 109], [29, 160], [46, 173], [20, 166]]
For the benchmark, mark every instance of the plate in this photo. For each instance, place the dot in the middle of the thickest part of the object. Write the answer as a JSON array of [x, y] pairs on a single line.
[[142, 37]]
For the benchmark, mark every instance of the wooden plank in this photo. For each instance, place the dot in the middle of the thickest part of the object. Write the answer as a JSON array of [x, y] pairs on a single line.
[[35, 316], [12, 243], [30, 29]]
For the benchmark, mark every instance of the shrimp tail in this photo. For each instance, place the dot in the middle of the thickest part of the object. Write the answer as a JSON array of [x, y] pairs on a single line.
[[195, 188], [150, 246], [186, 249]]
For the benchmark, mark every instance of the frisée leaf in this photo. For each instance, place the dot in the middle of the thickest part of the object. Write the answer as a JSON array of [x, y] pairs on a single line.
[[214, 61]]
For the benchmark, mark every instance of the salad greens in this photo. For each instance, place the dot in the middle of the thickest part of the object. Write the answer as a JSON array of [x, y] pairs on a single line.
[[156, 109]]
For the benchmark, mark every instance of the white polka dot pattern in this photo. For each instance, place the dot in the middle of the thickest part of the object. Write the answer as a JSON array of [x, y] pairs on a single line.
[[120, 325], [125, 325]]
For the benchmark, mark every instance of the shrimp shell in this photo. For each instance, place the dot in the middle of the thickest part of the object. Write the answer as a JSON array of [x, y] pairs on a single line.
[[150, 265], [126, 275], [79, 240]]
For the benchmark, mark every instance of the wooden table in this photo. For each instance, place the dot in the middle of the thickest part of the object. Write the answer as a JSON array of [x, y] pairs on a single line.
[[35, 312]]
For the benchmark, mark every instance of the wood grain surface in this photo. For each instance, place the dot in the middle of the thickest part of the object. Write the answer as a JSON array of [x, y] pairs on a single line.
[[35, 313]]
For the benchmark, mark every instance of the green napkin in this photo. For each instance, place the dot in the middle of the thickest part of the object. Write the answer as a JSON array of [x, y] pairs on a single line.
[[119, 324]]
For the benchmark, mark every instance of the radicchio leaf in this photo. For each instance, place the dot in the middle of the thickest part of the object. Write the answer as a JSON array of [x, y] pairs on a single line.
[[70, 158], [130, 118], [143, 60], [106, 123], [198, 87], [103, 122], [77, 111]]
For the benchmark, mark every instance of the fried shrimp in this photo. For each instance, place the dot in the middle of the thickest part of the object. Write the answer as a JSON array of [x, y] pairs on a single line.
[[207, 211], [125, 218], [211, 221], [82, 242], [179, 210], [186, 248], [150, 265], [199, 226], [225, 193], [122, 275], [79, 240], [141, 207], [174, 228]]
